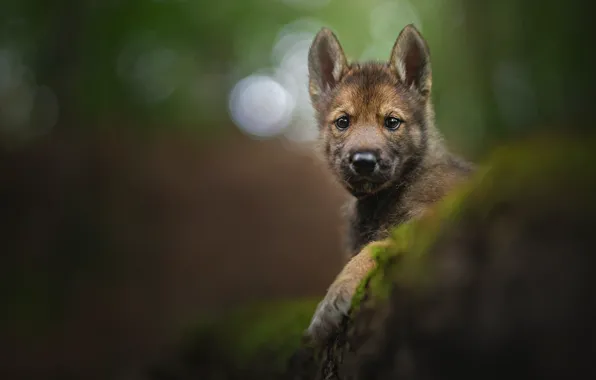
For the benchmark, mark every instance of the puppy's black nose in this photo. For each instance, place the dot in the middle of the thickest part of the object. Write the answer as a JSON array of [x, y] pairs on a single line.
[[363, 163]]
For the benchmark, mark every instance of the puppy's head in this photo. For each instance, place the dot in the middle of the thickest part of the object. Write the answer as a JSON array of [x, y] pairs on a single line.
[[373, 117]]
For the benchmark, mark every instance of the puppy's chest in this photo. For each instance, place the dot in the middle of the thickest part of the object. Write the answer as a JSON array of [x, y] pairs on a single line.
[[371, 224]]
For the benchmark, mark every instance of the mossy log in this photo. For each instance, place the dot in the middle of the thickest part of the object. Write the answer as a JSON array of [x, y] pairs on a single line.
[[498, 281]]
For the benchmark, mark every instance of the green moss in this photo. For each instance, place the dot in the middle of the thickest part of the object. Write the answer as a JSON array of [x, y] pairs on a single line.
[[373, 282], [402, 259], [529, 170], [273, 329]]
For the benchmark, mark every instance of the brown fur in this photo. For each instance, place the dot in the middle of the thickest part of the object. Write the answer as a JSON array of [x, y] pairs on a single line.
[[413, 167]]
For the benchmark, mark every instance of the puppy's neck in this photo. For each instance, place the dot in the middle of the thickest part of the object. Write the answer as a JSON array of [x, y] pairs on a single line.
[[389, 200]]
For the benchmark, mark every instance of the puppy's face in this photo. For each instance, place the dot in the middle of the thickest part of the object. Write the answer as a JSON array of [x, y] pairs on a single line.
[[372, 117]]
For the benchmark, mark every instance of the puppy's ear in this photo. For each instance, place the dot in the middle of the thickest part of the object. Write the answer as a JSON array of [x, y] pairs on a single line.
[[410, 60], [326, 65]]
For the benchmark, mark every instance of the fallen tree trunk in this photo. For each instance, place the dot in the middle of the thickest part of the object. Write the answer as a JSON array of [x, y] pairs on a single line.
[[499, 281]]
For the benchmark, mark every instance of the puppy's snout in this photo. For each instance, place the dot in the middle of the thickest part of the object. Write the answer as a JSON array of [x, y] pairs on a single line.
[[364, 162]]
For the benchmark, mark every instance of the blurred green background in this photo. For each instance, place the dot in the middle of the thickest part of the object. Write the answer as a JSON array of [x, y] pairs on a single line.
[[500, 67]]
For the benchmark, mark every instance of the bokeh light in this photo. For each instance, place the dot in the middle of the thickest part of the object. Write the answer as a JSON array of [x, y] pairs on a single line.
[[289, 58], [261, 106], [26, 109]]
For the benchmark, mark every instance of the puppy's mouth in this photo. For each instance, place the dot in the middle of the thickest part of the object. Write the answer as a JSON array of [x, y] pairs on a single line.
[[360, 185]]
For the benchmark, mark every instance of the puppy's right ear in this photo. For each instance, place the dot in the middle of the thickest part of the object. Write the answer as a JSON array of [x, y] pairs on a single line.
[[326, 65]]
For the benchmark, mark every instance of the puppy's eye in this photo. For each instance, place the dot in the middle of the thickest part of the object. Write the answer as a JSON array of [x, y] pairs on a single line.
[[342, 123], [392, 123]]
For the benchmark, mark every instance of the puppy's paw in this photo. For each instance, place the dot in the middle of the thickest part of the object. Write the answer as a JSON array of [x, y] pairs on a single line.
[[332, 309], [337, 303]]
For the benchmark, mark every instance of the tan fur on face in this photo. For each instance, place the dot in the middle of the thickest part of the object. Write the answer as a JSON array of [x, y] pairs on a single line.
[[385, 101], [368, 94]]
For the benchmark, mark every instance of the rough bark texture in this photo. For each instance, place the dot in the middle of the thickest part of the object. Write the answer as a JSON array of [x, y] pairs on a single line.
[[500, 282]]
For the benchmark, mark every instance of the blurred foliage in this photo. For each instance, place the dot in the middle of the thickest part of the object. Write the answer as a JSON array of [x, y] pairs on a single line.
[[499, 66], [246, 332]]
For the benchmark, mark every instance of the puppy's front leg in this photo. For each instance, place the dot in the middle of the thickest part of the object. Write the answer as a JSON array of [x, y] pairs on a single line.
[[338, 300]]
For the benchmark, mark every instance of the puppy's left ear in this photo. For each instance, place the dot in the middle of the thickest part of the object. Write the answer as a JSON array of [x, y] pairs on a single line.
[[410, 60]]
